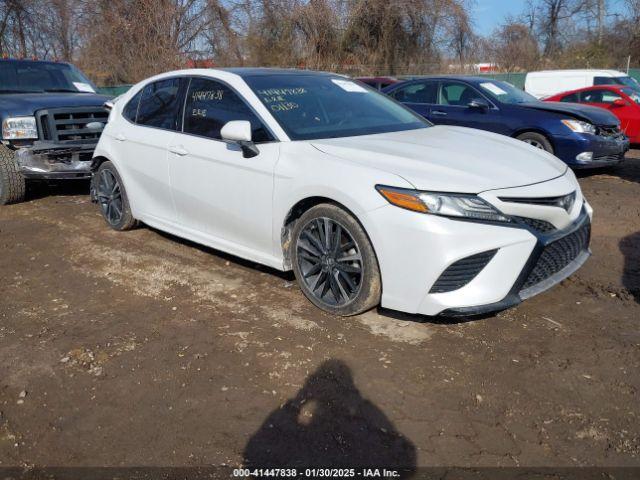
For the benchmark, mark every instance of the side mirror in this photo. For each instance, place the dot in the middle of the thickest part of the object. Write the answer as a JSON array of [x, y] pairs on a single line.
[[619, 102], [479, 103], [239, 131]]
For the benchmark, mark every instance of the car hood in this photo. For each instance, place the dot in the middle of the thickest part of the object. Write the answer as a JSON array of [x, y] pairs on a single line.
[[16, 104], [449, 159], [595, 115]]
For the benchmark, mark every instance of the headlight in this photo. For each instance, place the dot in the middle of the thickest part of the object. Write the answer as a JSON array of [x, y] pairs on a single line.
[[579, 126], [445, 204], [19, 128]]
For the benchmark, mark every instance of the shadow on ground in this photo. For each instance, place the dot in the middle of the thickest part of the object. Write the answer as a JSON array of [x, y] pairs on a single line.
[[630, 248], [41, 189], [329, 424]]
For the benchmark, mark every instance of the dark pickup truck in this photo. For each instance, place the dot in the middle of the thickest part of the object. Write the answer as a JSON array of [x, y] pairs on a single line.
[[51, 121]]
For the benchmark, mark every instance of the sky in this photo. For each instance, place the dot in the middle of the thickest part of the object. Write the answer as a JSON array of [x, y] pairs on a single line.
[[490, 13]]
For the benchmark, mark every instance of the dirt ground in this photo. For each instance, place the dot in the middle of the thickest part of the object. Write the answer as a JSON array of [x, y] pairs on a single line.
[[141, 349]]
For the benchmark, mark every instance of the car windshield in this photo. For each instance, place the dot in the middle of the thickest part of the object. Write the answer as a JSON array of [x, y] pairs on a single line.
[[310, 107], [505, 92], [633, 94], [628, 81], [23, 76]]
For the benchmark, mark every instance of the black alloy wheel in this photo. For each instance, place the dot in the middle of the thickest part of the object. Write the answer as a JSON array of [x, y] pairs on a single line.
[[334, 261]]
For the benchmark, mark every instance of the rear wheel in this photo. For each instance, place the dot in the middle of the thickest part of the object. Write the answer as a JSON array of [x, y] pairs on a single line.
[[334, 262], [536, 140], [12, 183], [112, 198]]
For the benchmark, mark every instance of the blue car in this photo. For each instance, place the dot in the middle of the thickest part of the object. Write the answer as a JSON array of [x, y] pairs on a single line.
[[580, 135]]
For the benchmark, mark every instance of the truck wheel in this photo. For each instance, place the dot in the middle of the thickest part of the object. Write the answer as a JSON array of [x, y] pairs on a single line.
[[12, 183], [536, 140]]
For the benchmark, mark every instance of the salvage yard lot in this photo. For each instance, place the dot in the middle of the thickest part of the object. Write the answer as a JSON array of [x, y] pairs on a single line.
[[141, 349]]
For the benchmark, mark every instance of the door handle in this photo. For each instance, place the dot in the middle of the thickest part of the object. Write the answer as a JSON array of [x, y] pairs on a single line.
[[439, 113], [120, 137], [178, 150]]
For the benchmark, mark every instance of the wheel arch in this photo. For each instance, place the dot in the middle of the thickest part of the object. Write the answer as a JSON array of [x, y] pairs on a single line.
[[537, 130], [298, 209]]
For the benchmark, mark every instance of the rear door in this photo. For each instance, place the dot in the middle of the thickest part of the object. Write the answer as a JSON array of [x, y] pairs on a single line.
[[419, 96], [141, 143]]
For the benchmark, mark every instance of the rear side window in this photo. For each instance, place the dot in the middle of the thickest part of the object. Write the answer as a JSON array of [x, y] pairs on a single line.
[[130, 110], [160, 104], [423, 92], [604, 81], [573, 98], [210, 105]]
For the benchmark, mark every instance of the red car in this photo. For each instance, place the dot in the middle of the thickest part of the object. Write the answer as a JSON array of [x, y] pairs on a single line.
[[622, 101]]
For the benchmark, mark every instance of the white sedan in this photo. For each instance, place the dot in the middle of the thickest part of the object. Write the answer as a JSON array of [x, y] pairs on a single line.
[[365, 201]]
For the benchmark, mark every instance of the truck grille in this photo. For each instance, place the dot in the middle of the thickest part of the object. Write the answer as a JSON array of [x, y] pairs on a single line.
[[69, 125], [558, 255], [458, 274]]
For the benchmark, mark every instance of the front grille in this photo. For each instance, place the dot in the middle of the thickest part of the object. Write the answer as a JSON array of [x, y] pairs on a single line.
[[69, 125], [562, 201], [458, 274], [558, 255], [538, 225], [610, 131]]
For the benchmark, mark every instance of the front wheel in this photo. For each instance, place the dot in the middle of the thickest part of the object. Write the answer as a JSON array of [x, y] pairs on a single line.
[[334, 261], [536, 140], [112, 198], [12, 183]]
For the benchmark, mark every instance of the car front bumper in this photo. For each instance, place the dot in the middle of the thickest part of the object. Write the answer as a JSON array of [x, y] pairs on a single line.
[[606, 151], [53, 161], [416, 250]]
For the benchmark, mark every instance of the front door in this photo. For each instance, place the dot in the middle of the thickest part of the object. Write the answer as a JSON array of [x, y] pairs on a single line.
[[217, 191]]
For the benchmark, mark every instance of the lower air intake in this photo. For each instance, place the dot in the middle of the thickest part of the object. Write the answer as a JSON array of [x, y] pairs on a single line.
[[558, 255], [458, 274]]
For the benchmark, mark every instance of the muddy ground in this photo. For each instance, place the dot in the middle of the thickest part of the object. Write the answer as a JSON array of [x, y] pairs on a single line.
[[141, 349]]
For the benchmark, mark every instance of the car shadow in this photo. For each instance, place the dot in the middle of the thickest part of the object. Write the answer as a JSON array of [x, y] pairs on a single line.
[[329, 424], [64, 188], [630, 248], [629, 170]]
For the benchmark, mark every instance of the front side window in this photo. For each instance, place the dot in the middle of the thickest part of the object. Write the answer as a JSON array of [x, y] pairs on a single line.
[[160, 104], [210, 105], [311, 106], [421, 92], [457, 94], [599, 96], [633, 94]]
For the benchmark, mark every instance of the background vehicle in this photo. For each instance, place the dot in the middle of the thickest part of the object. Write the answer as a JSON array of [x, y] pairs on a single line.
[[363, 199], [580, 135], [51, 120], [623, 102], [378, 82], [550, 82]]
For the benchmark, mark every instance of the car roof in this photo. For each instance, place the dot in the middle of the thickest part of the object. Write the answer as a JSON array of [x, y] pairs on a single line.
[[592, 87], [265, 71], [602, 72], [30, 62]]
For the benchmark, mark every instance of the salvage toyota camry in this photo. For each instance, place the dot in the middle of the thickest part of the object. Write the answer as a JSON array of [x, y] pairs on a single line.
[[364, 200]]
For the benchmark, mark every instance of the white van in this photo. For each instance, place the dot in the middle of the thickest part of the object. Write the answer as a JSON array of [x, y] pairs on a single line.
[[549, 82]]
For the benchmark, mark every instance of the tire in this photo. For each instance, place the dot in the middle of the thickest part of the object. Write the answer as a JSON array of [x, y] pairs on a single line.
[[536, 140], [112, 198], [12, 183], [341, 278]]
